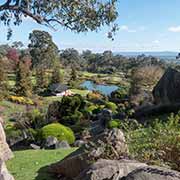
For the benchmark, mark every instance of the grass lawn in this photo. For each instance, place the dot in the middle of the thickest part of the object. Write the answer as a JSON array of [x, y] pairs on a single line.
[[81, 92], [32, 164]]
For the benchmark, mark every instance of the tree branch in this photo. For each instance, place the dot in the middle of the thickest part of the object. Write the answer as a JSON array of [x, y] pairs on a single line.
[[38, 18]]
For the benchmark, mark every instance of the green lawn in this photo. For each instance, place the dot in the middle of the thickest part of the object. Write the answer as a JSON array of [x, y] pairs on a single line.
[[33, 164], [81, 92]]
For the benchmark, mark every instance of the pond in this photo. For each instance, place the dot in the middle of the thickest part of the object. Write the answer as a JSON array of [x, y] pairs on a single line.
[[104, 89]]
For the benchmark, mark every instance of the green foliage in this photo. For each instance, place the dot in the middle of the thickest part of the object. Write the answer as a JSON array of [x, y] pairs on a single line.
[[78, 16], [73, 77], [70, 109], [59, 131], [23, 86], [114, 124], [3, 81], [57, 76], [112, 106], [158, 143], [121, 93], [43, 50], [91, 108], [12, 132], [42, 80]]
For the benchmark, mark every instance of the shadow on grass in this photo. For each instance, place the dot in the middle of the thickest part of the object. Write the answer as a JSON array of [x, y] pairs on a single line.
[[44, 174]]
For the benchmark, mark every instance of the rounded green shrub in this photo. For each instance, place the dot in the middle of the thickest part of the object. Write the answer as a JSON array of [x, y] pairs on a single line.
[[112, 106], [59, 131], [113, 124]]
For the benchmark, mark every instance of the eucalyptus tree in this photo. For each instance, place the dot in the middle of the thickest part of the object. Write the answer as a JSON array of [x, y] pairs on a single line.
[[76, 15]]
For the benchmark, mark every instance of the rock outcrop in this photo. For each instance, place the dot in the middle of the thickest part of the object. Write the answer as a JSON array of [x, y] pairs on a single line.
[[167, 90], [5, 154], [81, 159], [109, 169], [152, 173], [96, 164]]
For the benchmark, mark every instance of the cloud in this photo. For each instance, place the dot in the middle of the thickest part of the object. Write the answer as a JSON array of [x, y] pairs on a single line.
[[142, 28], [156, 42], [127, 29], [174, 29]]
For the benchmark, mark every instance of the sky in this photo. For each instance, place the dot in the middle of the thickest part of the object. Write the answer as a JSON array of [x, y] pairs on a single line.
[[144, 25]]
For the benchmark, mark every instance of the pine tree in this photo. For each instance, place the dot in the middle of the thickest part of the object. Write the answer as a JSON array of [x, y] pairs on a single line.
[[3, 81], [42, 80], [57, 76], [23, 86], [73, 74]]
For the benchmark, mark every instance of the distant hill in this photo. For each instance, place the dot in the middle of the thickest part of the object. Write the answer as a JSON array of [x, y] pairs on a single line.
[[163, 54]]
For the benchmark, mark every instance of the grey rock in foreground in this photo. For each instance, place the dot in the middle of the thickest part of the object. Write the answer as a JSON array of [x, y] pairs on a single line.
[[152, 173], [81, 159], [109, 169]]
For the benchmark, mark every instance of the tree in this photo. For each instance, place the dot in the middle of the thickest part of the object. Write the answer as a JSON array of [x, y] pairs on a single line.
[[43, 50], [57, 76], [76, 15], [71, 57], [42, 80], [73, 74], [23, 86], [17, 44], [3, 81]]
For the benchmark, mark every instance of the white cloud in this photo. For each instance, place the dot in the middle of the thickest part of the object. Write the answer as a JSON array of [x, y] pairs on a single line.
[[142, 28], [127, 29], [124, 28], [156, 42], [174, 29]]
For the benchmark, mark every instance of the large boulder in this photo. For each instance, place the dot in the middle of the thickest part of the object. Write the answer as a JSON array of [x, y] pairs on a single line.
[[82, 158], [5, 154], [167, 90], [72, 165], [109, 169], [152, 173]]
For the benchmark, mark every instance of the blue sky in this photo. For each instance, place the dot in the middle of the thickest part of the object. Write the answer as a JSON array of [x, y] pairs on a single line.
[[145, 25]]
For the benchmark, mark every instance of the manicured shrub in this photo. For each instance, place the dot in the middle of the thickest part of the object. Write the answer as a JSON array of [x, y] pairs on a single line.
[[91, 108], [112, 106], [114, 124], [59, 131], [72, 119]]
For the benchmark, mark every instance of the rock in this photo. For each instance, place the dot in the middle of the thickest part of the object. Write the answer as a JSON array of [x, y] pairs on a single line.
[[101, 121], [34, 146], [105, 116], [72, 165], [109, 169], [51, 142], [79, 143], [4, 174], [82, 158], [115, 140], [5, 154], [156, 110], [152, 173], [62, 145], [167, 89]]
